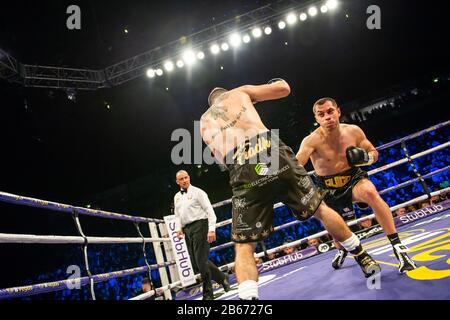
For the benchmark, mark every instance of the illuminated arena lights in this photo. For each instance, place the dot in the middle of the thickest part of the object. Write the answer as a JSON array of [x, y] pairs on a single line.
[[225, 46], [235, 40], [168, 65], [180, 64], [151, 73], [266, 18], [200, 55], [291, 19], [215, 49], [257, 32], [312, 11], [189, 57], [332, 4]]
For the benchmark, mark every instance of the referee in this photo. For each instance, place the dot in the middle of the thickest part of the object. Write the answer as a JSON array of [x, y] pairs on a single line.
[[198, 222]]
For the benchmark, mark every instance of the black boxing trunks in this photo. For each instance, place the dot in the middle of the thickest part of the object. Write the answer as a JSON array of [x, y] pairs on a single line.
[[263, 171], [338, 189]]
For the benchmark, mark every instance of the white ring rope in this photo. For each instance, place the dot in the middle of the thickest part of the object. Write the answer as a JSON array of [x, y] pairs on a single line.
[[151, 293], [60, 207], [37, 239], [64, 284], [418, 155]]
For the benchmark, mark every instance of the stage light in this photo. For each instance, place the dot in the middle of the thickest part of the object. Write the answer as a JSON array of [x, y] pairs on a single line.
[[159, 72], [256, 32], [324, 9], [150, 73], [235, 40], [225, 46], [332, 4], [200, 55], [189, 57], [180, 64], [246, 38], [168, 65], [215, 49], [267, 30], [312, 11], [291, 19], [281, 25], [303, 16]]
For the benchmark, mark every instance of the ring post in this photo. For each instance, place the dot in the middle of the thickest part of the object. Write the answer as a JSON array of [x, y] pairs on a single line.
[[160, 260]]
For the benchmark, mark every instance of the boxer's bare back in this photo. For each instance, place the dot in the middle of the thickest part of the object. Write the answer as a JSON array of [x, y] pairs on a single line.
[[233, 118]]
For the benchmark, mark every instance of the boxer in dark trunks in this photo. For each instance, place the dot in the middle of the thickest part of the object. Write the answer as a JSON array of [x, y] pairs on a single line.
[[337, 151]]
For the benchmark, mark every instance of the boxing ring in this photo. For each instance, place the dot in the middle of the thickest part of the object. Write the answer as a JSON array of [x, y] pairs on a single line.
[[426, 231], [313, 278]]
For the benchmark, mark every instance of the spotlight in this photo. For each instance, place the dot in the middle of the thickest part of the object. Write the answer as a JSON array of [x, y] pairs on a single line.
[[225, 46], [291, 18], [200, 55], [180, 64], [281, 25], [267, 30], [189, 57], [324, 9], [215, 49], [332, 4], [159, 72], [256, 32], [312, 11], [246, 38], [168, 65], [150, 73], [235, 40], [303, 16]]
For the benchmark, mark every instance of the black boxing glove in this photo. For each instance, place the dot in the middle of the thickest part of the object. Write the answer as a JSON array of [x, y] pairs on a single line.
[[275, 80], [358, 157]]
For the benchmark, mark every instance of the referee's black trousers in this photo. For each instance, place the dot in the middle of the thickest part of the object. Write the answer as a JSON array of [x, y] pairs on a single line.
[[196, 240]]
